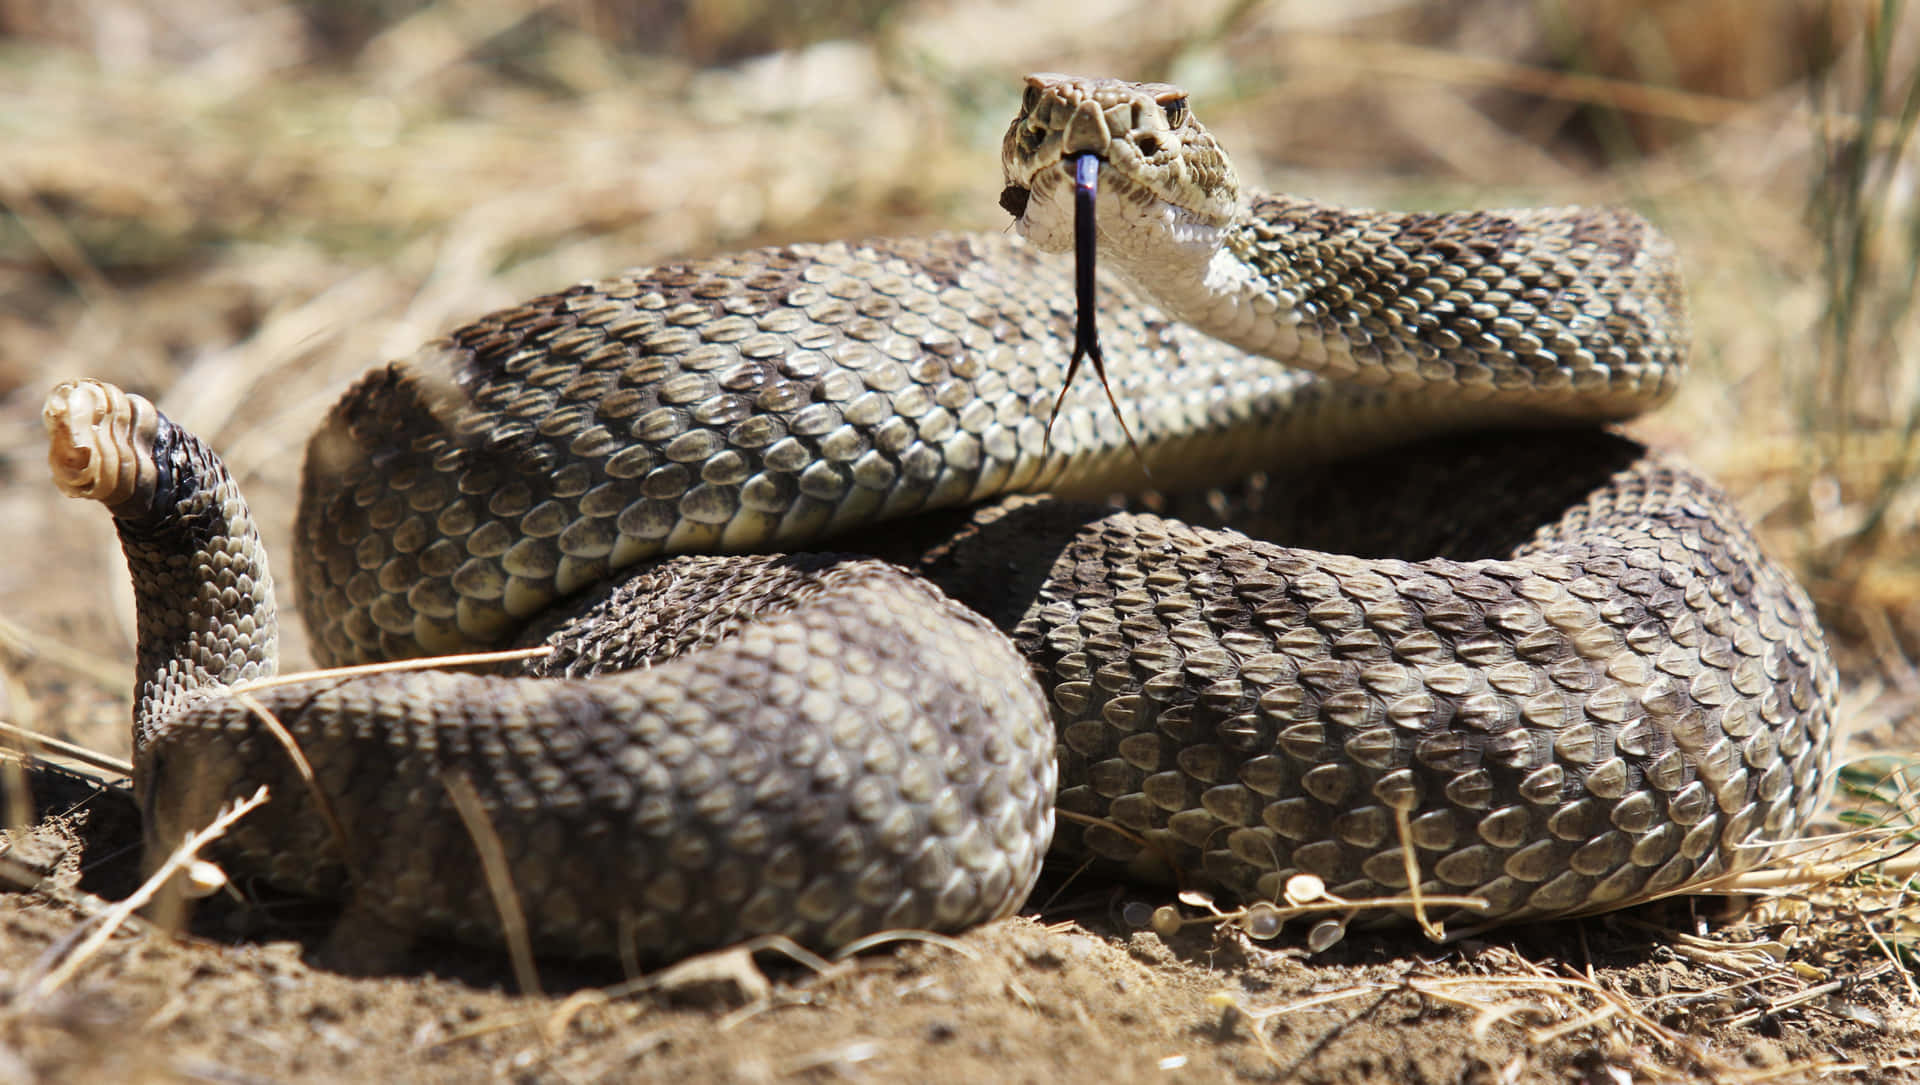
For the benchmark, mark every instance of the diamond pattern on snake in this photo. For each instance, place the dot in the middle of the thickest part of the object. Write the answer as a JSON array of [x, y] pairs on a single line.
[[840, 609]]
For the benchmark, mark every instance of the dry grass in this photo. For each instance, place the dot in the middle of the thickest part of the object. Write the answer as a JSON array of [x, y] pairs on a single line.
[[236, 205]]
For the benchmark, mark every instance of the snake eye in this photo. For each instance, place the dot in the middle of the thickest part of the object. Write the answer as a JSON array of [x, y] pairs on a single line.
[[1030, 101], [1176, 110]]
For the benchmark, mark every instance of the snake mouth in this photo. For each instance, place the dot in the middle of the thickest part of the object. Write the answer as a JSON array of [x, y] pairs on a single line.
[[1082, 172], [1017, 197]]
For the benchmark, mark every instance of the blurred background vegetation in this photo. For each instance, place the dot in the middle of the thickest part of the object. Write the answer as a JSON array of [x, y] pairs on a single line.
[[236, 205]]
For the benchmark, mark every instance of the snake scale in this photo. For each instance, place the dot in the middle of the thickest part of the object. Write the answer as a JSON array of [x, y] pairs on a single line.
[[815, 674]]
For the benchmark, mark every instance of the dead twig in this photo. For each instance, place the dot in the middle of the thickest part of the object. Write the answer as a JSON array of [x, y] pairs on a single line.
[[421, 663], [493, 862], [32, 744]]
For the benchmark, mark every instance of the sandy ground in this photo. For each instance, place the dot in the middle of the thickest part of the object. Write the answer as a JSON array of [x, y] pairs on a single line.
[[238, 208], [1066, 991]]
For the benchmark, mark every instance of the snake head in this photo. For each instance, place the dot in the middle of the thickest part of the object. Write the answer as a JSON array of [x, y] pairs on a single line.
[[1164, 180]]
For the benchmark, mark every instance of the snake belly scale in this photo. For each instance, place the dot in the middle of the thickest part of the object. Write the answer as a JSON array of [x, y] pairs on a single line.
[[1553, 664]]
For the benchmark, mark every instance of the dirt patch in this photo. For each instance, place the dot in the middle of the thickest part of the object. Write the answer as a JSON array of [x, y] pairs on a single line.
[[1063, 992]]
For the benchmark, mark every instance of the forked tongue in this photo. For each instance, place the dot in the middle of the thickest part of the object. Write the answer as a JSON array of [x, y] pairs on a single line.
[[1086, 331]]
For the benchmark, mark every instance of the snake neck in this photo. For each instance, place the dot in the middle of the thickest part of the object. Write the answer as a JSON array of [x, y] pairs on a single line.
[[1262, 283], [203, 595], [1575, 313], [1208, 281]]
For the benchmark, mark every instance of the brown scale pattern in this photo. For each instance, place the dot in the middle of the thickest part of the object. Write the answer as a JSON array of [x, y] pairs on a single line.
[[1572, 714], [889, 766], [751, 402], [660, 812], [1542, 300], [1561, 659]]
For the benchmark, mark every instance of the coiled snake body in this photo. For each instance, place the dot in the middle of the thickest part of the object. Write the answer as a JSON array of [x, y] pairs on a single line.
[[1554, 665]]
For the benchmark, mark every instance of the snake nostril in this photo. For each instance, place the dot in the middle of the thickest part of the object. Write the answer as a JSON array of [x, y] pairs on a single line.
[[1013, 199], [1149, 145]]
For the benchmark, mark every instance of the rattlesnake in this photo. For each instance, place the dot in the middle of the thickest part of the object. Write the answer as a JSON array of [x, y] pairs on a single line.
[[1553, 664]]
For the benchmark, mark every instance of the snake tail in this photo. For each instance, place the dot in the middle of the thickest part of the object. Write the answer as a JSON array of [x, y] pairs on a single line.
[[202, 591]]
